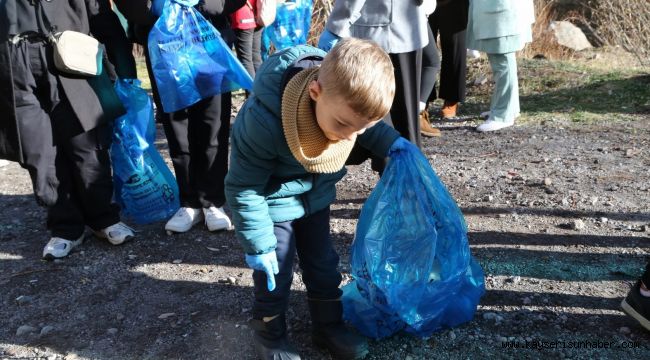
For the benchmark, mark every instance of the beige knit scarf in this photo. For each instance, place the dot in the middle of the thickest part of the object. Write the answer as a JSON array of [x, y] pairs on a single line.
[[306, 140]]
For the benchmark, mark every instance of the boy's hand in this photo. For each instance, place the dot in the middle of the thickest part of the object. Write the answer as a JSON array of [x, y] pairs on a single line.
[[327, 40], [265, 262]]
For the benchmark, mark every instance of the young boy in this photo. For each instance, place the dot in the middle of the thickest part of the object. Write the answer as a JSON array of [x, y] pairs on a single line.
[[289, 145]]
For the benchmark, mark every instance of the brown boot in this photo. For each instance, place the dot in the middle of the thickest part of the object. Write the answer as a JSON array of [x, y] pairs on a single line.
[[448, 110], [425, 126]]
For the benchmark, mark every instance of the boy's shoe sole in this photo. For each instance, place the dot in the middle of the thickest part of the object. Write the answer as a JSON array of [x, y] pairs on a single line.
[[629, 310]]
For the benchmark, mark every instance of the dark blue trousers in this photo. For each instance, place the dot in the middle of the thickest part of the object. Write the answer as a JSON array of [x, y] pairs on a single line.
[[308, 236]]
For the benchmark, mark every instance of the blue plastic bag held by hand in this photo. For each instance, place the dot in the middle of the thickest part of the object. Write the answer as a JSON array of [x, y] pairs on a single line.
[[144, 187], [190, 60], [411, 261], [291, 25]]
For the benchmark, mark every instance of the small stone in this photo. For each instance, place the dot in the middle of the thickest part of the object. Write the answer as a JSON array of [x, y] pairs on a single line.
[[645, 228], [548, 181], [24, 299], [71, 356], [632, 152], [624, 330], [132, 256], [51, 357], [166, 315], [232, 280], [488, 198], [47, 329], [112, 331], [177, 261], [594, 200], [25, 329], [565, 201], [603, 220], [577, 225], [452, 335]]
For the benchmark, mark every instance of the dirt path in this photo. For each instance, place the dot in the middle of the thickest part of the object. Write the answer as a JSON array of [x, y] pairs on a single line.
[[558, 215]]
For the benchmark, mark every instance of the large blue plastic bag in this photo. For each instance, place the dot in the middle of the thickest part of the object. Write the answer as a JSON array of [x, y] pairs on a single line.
[[190, 60], [291, 25], [143, 184], [411, 261]]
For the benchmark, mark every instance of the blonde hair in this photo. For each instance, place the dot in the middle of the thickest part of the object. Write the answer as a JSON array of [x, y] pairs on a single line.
[[360, 72]]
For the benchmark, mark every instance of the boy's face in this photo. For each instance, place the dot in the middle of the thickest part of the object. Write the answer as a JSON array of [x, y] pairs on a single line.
[[335, 117]]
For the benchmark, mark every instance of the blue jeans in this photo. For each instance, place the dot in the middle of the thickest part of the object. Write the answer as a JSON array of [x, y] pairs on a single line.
[[309, 236]]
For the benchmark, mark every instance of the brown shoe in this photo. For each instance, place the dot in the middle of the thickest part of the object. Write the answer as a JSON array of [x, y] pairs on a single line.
[[425, 126], [448, 110]]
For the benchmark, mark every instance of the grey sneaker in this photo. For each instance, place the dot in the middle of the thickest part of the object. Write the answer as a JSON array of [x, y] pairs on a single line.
[[116, 234], [58, 247]]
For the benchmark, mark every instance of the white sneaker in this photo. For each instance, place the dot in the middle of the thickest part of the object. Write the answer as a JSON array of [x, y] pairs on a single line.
[[116, 234], [491, 125], [183, 220], [58, 247], [216, 219], [486, 114]]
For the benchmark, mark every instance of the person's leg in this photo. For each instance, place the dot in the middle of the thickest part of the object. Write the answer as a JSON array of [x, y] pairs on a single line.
[[176, 131], [505, 99], [318, 261], [244, 48], [88, 156], [208, 134], [453, 70], [269, 323], [430, 69], [404, 114], [257, 48]]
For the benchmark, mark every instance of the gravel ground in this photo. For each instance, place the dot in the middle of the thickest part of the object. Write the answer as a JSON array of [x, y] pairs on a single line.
[[558, 216]]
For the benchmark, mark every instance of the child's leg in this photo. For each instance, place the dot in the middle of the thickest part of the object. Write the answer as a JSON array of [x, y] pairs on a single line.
[[318, 261], [268, 324], [271, 303]]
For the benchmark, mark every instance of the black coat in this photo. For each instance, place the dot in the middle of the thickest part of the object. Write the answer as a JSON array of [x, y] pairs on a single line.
[[93, 99]]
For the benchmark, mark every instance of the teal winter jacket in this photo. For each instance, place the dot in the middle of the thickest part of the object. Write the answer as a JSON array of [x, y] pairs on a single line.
[[265, 183]]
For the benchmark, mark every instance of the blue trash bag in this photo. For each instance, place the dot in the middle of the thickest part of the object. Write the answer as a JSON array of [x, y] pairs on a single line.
[[144, 186], [411, 261], [190, 60], [290, 28]]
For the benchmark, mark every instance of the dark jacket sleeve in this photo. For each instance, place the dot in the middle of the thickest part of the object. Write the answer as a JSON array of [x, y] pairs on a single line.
[[106, 27], [220, 7]]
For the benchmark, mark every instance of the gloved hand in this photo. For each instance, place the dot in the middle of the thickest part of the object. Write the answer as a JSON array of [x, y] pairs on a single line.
[[265, 262], [327, 40]]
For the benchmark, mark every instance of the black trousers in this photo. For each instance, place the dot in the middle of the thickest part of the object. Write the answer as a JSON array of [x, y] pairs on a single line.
[[450, 22], [198, 146], [404, 112], [310, 238], [248, 44], [69, 168], [430, 67]]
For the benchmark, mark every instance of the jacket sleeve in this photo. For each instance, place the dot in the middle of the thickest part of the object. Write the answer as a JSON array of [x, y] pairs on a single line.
[[252, 161], [378, 139], [343, 15], [106, 27]]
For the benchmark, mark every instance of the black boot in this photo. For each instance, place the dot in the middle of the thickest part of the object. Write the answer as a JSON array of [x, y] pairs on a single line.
[[328, 331], [271, 342]]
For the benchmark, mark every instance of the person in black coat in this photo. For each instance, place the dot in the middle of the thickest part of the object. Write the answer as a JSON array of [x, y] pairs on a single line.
[[198, 135], [57, 125]]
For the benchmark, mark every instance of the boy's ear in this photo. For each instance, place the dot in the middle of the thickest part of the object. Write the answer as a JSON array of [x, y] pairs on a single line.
[[315, 90]]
